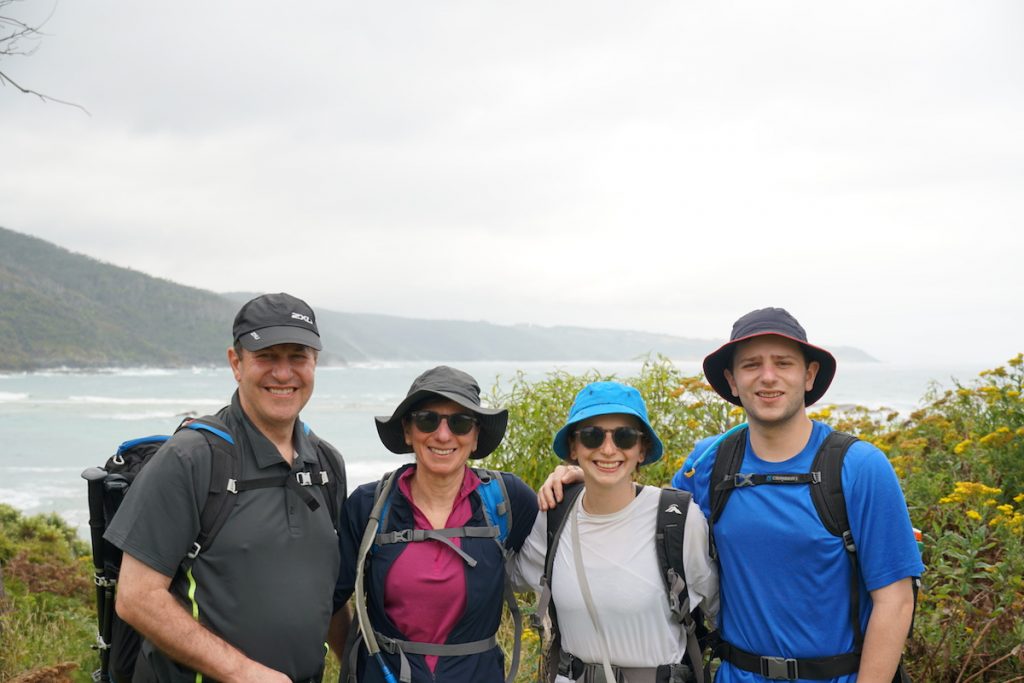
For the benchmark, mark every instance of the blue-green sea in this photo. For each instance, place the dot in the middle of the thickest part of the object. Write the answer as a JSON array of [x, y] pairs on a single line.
[[56, 423]]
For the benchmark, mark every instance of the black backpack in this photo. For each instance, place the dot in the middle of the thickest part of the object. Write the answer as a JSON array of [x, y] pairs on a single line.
[[673, 505], [117, 642], [826, 482]]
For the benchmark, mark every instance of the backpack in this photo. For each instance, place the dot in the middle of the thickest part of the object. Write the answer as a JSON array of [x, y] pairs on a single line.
[[117, 642], [498, 514], [673, 505], [825, 480]]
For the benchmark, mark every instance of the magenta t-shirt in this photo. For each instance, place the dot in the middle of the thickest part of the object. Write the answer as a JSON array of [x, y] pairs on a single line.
[[425, 589]]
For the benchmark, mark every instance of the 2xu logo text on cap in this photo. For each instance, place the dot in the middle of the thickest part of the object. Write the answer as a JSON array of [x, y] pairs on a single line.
[[303, 318]]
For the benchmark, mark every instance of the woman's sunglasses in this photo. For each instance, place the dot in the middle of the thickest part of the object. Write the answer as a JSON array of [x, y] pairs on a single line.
[[623, 437], [427, 421]]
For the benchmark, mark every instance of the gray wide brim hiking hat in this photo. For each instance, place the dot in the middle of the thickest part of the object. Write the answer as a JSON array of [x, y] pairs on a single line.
[[607, 398], [762, 322], [454, 385]]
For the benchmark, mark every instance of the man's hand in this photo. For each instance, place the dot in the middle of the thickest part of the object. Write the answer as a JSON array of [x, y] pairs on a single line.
[[550, 493]]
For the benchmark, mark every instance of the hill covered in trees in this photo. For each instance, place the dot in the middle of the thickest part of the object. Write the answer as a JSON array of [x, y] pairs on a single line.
[[62, 309]]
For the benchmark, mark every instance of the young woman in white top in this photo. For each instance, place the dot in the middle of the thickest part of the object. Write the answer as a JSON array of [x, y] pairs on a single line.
[[608, 435]]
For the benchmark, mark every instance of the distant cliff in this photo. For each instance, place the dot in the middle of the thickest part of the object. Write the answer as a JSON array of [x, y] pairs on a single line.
[[61, 309]]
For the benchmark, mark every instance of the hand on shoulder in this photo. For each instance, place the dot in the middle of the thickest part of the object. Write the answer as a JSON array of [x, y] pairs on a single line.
[[550, 493]]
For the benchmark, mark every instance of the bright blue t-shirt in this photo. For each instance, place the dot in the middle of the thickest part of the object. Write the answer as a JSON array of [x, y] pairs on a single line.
[[784, 579]]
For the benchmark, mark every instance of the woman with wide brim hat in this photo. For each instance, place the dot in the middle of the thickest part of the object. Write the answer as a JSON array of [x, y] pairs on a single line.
[[424, 549], [606, 577]]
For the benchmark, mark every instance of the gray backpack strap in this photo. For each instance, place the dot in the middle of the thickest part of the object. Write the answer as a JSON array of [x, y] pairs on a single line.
[[401, 647]]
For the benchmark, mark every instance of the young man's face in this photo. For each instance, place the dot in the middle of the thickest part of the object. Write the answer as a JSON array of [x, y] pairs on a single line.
[[274, 384], [770, 377]]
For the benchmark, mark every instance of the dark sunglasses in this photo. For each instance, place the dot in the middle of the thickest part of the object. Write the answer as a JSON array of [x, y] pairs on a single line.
[[427, 421], [623, 437]]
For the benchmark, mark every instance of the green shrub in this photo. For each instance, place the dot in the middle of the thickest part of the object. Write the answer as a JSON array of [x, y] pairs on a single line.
[[48, 617]]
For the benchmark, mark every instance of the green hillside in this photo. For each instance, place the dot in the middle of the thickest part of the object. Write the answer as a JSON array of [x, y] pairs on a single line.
[[61, 309], [58, 308]]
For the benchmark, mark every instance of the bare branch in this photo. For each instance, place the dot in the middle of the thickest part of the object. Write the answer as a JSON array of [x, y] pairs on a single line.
[[14, 33], [5, 79]]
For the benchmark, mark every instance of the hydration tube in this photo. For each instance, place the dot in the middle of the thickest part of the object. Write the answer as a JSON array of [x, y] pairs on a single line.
[[690, 466], [369, 637]]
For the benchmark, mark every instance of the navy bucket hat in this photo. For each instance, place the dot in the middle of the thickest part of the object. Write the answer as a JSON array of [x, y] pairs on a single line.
[[607, 398], [757, 323], [454, 385]]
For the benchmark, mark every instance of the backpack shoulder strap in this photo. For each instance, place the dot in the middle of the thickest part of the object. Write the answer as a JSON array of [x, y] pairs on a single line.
[[331, 462], [670, 533], [830, 503], [496, 505], [498, 512], [828, 496], [556, 518], [728, 459], [673, 505], [225, 469], [381, 504]]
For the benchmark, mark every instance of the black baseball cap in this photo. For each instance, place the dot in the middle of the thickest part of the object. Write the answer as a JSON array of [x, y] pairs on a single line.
[[777, 321], [276, 319]]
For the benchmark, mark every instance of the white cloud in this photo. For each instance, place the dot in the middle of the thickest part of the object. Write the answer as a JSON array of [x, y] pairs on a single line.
[[665, 167]]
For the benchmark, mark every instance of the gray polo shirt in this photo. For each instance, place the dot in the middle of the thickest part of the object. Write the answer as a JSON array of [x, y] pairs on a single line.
[[265, 585]]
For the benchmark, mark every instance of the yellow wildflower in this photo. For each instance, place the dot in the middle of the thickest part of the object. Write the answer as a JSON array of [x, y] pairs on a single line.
[[962, 446], [991, 502], [974, 514], [1006, 509], [972, 488], [1019, 498], [1013, 393], [1017, 360], [736, 412]]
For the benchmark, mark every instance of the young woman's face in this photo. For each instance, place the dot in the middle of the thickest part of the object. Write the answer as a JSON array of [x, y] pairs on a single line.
[[614, 458]]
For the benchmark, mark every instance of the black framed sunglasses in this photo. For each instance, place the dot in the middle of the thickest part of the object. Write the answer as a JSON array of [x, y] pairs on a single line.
[[427, 421], [623, 437]]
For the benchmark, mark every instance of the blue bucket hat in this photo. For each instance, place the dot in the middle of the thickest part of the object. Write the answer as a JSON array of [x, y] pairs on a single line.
[[607, 398]]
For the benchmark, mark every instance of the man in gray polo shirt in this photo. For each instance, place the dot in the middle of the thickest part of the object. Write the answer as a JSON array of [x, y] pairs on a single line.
[[256, 604]]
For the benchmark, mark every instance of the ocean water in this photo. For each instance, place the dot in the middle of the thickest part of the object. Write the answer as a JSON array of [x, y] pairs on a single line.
[[55, 424]]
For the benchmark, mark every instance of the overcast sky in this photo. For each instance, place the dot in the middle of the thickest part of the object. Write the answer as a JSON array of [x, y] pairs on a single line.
[[660, 166]]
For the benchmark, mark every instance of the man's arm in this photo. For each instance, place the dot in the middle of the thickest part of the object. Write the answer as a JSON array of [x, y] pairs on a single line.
[[337, 632], [145, 601], [888, 626]]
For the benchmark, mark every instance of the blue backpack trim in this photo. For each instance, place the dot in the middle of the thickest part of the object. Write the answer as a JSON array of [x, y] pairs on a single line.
[[132, 443], [197, 426]]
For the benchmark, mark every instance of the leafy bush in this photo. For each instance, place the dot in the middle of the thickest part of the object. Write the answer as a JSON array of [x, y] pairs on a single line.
[[47, 617]]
